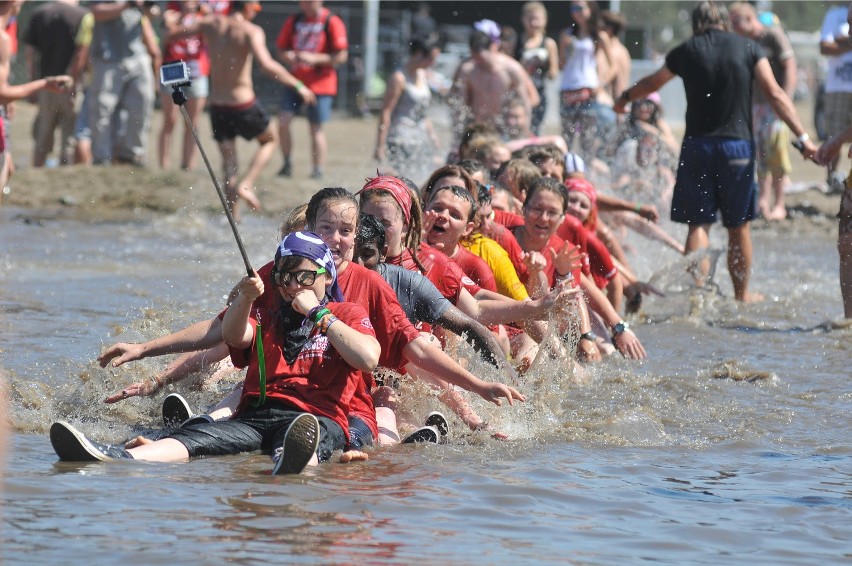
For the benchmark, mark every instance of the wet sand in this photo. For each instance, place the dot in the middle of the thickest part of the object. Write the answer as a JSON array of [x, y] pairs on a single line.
[[124, 192]]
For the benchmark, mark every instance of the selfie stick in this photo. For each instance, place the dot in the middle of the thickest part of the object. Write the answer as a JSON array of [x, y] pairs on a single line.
[[179, 98]]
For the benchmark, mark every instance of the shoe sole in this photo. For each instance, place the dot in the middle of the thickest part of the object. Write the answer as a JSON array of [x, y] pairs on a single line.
[[438, 421], [422, 434], [72, 446], [300, 444], [175, 410]]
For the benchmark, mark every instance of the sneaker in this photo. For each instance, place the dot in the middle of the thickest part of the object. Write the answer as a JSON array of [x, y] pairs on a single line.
[[300, 444], [836, 183], [197, 419], [439, 421], [423, 434], [316, 174], [72, 446], [286, 170], [176, 410]]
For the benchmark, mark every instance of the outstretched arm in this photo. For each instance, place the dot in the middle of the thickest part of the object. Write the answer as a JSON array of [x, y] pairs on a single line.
[[199, 336], [477, 335], [274, 69]]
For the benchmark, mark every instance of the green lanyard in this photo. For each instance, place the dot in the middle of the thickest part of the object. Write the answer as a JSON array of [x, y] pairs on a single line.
[[261, 365]]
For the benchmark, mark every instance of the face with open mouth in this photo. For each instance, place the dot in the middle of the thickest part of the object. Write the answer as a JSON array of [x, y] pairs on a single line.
[[336, 224], [451, 219]]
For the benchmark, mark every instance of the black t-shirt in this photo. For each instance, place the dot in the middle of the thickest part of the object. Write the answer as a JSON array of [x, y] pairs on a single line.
[[51, 33], [717, 69]]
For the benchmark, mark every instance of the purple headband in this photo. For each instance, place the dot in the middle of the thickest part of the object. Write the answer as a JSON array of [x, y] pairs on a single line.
[[311, 246]]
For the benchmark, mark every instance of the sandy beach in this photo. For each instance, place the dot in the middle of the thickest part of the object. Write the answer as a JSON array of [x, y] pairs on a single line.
[[124, 192]]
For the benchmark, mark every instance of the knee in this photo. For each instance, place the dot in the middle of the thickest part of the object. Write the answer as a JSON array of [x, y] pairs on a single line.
[[384, 397]]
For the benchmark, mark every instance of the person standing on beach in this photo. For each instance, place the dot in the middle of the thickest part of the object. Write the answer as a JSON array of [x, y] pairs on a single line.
[[9, 93], [311, 44], [50, 34], [716, 171], [233, 42], [773, 157], [836, 45]]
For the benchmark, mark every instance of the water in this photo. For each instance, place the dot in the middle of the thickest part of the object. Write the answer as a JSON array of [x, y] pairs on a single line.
[[730, 444]]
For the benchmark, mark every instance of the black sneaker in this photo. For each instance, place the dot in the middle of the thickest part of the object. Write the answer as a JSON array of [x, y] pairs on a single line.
[[439, 421], [300, 444], [175, 410], [197, 419], [423, 434], [72, 446], [286, 170]]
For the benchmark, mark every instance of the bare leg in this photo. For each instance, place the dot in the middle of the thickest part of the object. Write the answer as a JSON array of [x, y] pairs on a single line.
[[165, 450], [779, 183], [284, 120], [844, 246], [739, 262], [384, 400], [83, 152], [245, 190], [170, 112], [194, 107], [698, 238], [319, 147], [229, 169], [764, 185]]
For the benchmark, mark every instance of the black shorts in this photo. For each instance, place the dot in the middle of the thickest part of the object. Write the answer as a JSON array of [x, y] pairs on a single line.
[[360, 434], [248, 121], [255, 429]]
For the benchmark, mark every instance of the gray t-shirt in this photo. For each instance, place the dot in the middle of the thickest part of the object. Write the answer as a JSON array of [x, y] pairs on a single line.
[[420, 299]]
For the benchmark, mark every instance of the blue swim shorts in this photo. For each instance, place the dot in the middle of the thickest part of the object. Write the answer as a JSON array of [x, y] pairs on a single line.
[[715, 175], [319, 113]]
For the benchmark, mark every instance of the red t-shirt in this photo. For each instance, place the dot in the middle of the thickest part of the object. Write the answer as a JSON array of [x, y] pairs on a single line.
[[392, 328], [311, 35], [443, 273], [555, 243], [319, 381], [599, 264], [475, 268], [192, 50]]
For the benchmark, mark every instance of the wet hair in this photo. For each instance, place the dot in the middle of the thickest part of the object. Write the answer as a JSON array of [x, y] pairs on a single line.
[[449, 171], [322, 200], [370, 230], [415, 226], [545, 152], [294, 222], [548, 184], [479, 41], [522, 172], [709, 15], [614, 21], [422, 45], [462, 193], [472, 166], [412, 186]]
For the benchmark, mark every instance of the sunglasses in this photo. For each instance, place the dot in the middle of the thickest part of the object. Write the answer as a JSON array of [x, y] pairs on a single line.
[[303, 277]]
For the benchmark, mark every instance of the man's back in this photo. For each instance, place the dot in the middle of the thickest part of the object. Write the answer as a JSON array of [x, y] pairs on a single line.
[[229, 44], [717, 69]]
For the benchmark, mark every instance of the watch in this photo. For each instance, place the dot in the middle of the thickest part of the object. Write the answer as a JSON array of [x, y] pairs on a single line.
[[590, 336], [619, 328]]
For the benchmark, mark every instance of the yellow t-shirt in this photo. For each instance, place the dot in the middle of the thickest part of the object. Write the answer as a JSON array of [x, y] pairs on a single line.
[[498, 260]]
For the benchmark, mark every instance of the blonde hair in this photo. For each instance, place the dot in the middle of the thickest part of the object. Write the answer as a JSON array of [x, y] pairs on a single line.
[[295, 221], [530, 7]]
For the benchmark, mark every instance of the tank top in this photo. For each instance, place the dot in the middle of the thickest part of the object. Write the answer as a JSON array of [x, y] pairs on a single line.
[[535, 60], [410, 112], [580, 70]]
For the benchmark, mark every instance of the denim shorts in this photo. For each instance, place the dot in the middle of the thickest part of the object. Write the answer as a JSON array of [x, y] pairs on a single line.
[[319, 113], [716, 175], [360, 434]]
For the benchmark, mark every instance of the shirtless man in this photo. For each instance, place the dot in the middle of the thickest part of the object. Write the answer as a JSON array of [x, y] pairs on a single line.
[[9, 93], [486, 83], [233, 41], [614, 23]]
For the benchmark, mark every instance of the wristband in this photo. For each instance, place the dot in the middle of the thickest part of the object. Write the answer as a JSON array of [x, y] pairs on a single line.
[[326, 322], [638, 208], [590, 336], [567, 277], [312, 314], [299, 85], [319, 314], [803, 138]]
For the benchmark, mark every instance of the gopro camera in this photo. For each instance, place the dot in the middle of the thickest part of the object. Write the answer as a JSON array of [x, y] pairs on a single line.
[[174, 74]]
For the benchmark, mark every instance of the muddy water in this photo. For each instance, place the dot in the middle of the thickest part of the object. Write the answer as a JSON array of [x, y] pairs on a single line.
[[731, 443]]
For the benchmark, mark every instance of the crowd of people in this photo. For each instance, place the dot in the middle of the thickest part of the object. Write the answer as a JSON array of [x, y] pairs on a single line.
[[513, 246]]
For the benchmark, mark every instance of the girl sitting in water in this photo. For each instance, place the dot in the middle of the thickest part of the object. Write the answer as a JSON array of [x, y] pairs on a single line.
[[305, 350]]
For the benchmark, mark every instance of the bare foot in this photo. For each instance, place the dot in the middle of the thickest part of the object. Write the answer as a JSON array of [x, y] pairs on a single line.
[[778, 213], [751, 298], [353, 456], [137, 442], [248, 195]]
